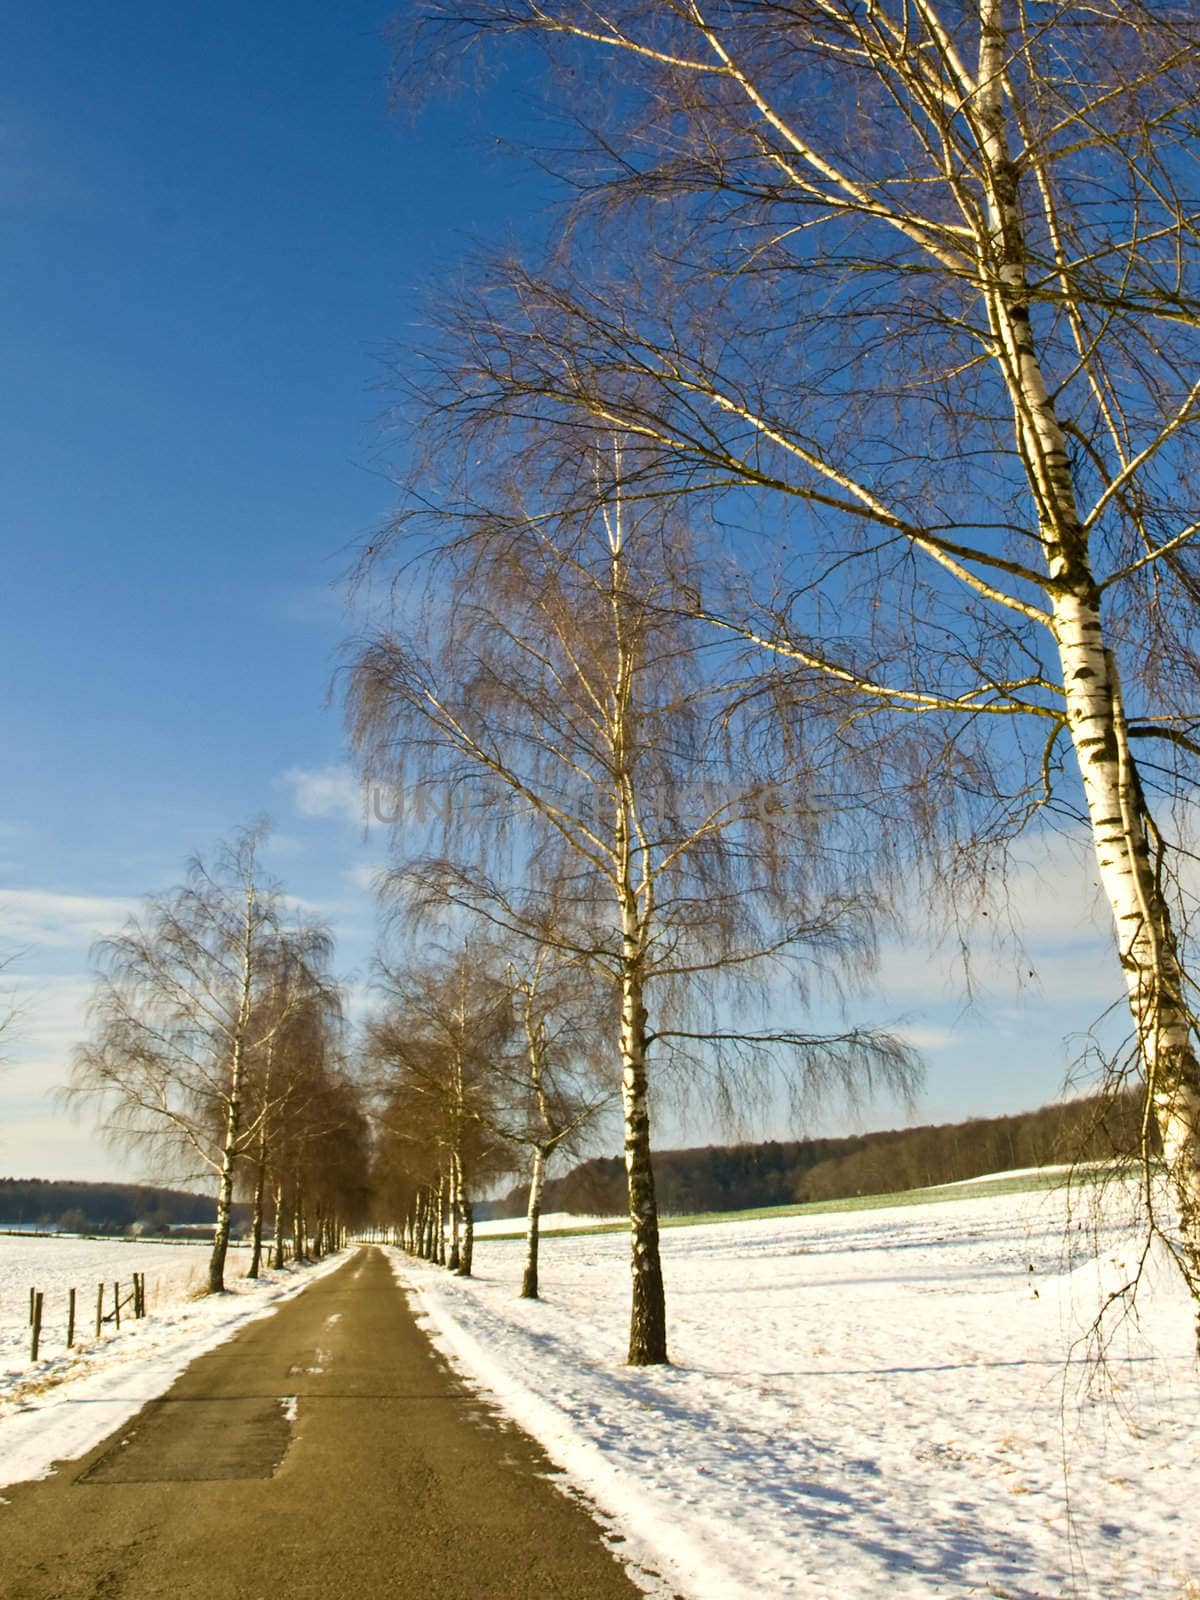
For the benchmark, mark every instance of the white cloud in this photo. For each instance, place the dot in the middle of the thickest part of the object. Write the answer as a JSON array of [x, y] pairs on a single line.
[[301, 906], [326, 792], [283, 846], [322, 605], [928, 1037], [38, 917], [50, 1019], [48, 1145], [1053, 891], [1046, 934], [362, 1001]]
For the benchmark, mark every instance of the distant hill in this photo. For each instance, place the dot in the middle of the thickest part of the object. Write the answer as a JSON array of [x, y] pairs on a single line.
[[99, 1207], [744, 1176]]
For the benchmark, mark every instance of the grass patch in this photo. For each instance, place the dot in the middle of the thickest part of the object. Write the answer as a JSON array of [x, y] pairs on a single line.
[[1027, 1183]]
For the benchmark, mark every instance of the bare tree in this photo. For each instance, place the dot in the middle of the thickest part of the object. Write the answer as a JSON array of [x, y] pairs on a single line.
[[180, 1015], [446, 1021], [338, 1145], [585, 740], [557, 1082], [547, 1073], [922, 278], [317, 1149], [290, 1072]]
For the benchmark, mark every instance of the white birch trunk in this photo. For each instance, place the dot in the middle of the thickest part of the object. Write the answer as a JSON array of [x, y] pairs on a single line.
[[277, 1253], [220, 1247], [648, 1316], [457, 1187], [454, 1259], [533, 1218], [468, 1239], [461, 1260], [535, 1046], [233, 1111], [1116, 806], [439, 1231], [1146, 946], [260, 1173], [634, 886], [260, 1194]]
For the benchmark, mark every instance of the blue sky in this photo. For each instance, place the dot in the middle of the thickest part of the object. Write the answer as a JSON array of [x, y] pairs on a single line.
[[214, 231]]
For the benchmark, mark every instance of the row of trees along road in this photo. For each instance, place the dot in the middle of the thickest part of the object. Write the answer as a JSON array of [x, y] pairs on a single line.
[[485, 1062], [899, 302], [216, 1048], [432, 1051], [609, 802]]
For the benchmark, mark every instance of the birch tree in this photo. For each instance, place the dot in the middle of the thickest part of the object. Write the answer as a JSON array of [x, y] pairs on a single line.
[[404, 1166], [317, 1154], [445, 1022], [582, 739], [335, 1174], [179, 1016], [546, 1076], [291, 1073], [557, 1081], [921, 278]]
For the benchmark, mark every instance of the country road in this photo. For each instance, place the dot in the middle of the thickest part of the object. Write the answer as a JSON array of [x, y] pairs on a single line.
[[322, 1451]]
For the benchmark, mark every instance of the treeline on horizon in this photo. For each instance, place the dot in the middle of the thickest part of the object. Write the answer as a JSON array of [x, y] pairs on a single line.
[[746, 1176], [78, 1207], [711, 1178]]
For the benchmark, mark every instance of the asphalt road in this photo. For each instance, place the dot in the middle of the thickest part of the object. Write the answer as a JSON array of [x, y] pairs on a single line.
[[322, 1452]]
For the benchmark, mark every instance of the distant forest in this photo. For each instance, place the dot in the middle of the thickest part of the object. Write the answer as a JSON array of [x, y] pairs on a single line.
[[100, 1207], [715, 1178], [739, 1177]]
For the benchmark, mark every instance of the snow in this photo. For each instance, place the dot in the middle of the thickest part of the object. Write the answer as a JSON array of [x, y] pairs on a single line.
[[57, 1263], [901, 1401], [551, 1222], [66, 1403], [1062, 1170]]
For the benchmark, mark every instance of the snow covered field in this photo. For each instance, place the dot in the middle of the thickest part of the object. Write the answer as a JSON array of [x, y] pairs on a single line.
[[70, 1400], [550, 1222], [59, 1263], [894, 1402]]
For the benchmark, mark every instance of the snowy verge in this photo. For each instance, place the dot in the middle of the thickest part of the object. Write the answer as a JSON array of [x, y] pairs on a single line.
[[900, 1401], [61, 1409]]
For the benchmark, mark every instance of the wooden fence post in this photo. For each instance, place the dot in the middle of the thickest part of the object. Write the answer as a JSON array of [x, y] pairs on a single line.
[[117, 1305], [32, 1298], [99, 1307], [37, 1327], [70, 1318]]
